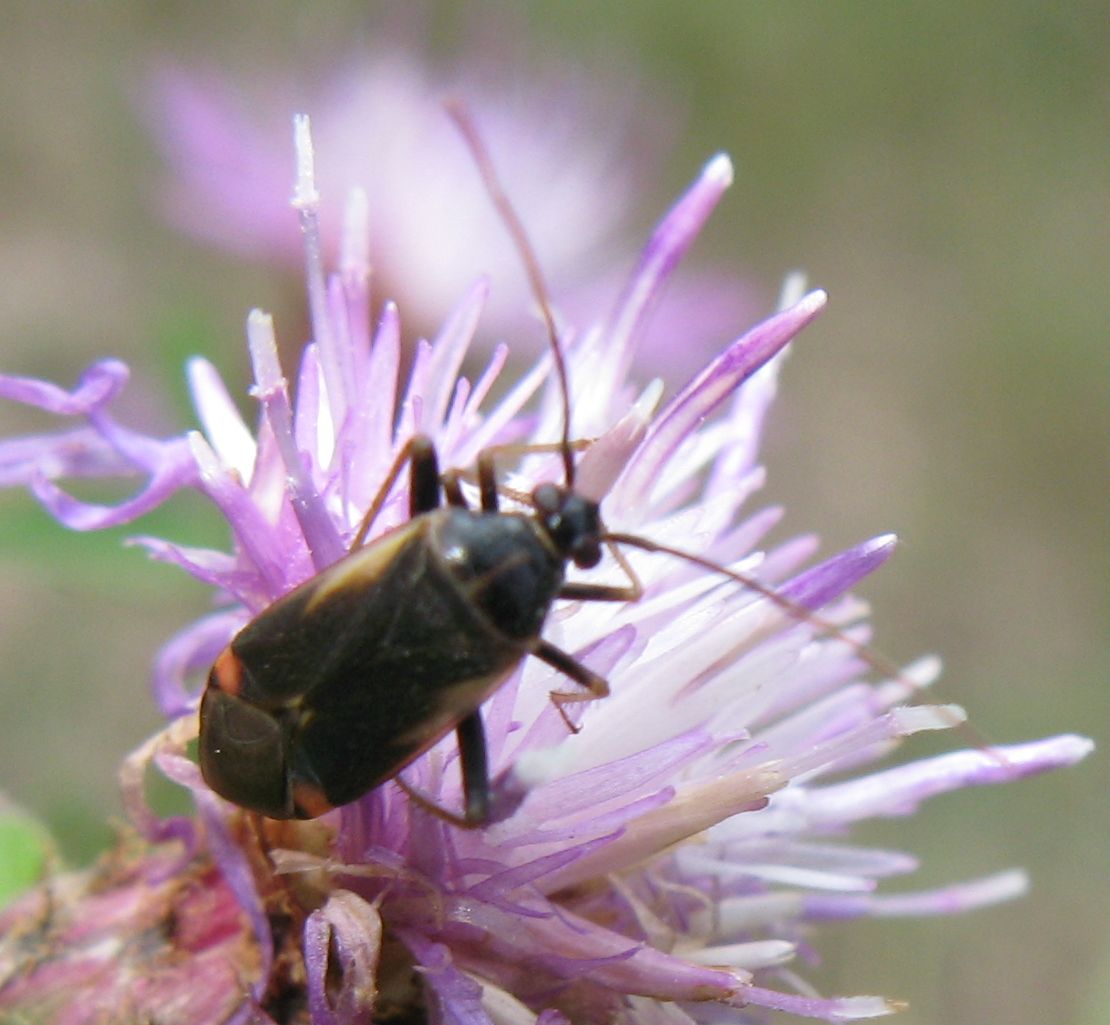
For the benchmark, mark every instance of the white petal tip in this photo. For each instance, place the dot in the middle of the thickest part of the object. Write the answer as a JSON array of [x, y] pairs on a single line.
[[860, 1008], [1071, 748], [813, 301], [1003, 887], [196, 369], [356, 233], [920, 718], [304, 191], [534, 768], [925, 671], [720, 170], [205, 458], [263, 350]]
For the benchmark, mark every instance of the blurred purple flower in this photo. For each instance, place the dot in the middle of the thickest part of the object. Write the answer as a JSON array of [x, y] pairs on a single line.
[[571, 150], [667, 863]]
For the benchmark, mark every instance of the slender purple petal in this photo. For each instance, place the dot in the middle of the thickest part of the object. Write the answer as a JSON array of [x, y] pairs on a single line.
[[80, 452], [374, 414], [899, 791], [668, 244], [834, 1009], [176, 471], [820, 585], [320, 533], [306, 201], [98, 385], [448, 351], [953, 899], [702, 395], [458, 996]]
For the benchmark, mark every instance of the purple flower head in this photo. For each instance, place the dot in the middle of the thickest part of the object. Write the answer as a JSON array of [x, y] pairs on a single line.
[[667, 863], [571, 147]]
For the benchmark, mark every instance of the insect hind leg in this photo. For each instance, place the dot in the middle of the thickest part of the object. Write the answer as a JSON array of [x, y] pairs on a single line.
[[473, 757], [474, 762]]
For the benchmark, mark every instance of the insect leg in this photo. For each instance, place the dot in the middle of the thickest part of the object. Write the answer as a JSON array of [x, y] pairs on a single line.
[[595, 684], [487, 474], [600, 592], [452, 489], [487, 479], [471, 736], [420, 451], [632, 591], [423, 476], [424, 496]]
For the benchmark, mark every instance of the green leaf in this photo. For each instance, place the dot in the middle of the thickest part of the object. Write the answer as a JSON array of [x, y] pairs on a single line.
[[24, 850]]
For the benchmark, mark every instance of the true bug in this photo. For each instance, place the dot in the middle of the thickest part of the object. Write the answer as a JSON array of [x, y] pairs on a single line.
[[344, 681]]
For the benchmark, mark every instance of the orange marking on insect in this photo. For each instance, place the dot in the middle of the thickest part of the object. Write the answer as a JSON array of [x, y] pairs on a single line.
[[227, 673], [309, 800]]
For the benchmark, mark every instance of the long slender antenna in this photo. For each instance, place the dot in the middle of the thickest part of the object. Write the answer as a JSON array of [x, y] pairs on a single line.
[[877, 661], [465, 123]]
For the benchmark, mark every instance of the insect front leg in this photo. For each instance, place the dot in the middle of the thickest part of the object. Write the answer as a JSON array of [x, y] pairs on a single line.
[[423, 475], [488, 487], [487, 480], [452, 488], [596, 685], [632, 591]]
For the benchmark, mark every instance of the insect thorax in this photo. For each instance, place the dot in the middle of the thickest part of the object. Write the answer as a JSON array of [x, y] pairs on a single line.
[[506, 565]]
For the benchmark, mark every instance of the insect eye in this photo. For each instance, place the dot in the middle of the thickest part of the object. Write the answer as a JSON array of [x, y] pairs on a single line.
[[547, 498], [586, 553], [571, 522]]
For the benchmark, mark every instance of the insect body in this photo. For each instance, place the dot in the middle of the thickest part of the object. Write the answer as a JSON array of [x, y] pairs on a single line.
[[348, 678]]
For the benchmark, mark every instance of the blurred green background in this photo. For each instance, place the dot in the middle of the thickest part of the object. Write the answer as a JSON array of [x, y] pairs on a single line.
[[940, 168]]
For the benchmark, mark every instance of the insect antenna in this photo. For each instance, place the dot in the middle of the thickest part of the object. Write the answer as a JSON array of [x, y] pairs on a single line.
[[795, 609], [800, 612], [469, 131]]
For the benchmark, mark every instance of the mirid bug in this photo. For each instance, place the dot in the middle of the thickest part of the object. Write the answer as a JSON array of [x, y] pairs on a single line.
[[344, 681]]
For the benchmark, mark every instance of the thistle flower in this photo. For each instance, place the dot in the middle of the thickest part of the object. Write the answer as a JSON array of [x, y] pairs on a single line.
[[664, 864], [571, 144]]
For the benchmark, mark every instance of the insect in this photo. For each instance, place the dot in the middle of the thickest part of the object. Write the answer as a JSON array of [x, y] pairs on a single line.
[[344, 681]]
